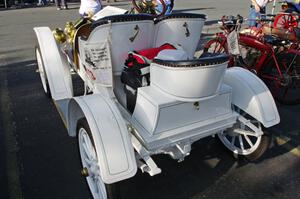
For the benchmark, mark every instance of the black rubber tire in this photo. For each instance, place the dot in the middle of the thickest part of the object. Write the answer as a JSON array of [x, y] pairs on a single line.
[[112, 190], [257, 154], [48, 92], [270, 69], [262, 147]]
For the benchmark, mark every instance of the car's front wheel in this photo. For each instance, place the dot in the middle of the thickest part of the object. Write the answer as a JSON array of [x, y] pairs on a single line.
[[91, 169], [42, 72]]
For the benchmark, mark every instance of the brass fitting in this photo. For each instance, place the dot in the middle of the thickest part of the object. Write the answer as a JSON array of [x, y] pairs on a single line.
[[59, 35], [70, 31], [85, 172]]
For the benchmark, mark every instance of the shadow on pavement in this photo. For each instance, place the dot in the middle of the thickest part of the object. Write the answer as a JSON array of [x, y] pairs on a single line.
[[206, 165], [47, 157], [3, 168]]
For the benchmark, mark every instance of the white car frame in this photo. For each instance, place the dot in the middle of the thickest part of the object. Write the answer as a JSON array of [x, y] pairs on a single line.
[[233, 104]]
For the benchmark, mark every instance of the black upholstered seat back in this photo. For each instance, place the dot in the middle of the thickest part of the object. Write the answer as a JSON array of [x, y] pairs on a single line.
[[121, 18], [205, 61]]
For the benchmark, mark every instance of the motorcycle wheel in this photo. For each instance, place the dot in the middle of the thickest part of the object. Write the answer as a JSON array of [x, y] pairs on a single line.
[[216, 45], [285, 89], [285, 21]]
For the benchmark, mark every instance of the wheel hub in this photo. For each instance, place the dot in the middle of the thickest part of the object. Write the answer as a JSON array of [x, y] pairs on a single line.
[[91, 169]]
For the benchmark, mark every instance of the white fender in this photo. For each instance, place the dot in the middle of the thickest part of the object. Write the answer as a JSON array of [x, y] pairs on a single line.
[[112, 140], [250, 94], [57, 69]]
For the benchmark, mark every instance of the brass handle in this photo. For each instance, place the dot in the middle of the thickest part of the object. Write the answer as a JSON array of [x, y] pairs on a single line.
[[137, 30], [186, 26]]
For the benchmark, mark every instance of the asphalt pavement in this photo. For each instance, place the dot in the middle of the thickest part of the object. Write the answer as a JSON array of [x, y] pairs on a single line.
[[39, 160]]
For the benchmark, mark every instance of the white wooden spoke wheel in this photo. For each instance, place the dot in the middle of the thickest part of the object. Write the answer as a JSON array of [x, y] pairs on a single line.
[[42, 72], [245, 138], [90, 164]]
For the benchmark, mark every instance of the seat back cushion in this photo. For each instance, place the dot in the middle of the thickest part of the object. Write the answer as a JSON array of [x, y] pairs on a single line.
[[126, 33], [189, 80], [183, 29]]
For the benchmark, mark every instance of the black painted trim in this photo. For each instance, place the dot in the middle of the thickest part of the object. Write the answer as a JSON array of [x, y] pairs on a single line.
[[206, 61], [180, 15], [121, 18]]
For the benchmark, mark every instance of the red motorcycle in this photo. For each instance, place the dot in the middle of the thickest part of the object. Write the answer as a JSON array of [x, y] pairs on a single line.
[[289, 16], [271, 58]]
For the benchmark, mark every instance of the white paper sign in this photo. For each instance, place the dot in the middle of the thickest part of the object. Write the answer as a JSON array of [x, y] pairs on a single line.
[[233, 44], [97, 61]]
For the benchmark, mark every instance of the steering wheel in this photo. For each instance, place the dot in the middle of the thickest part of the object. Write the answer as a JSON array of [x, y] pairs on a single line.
[[150, 7]]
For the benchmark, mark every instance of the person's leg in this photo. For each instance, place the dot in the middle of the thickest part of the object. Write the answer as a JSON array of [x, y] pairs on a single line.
[[57, 3], [64, 4], [261, 15], [168, 10], [252, 16], [172, 4], [262, 12]]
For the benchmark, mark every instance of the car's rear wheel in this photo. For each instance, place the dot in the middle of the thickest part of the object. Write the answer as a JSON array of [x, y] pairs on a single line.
[[91, 169], [246, 138], [42, 72]]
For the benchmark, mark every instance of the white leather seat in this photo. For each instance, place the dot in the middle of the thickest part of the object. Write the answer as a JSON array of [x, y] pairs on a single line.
[[183, 29], [137, 32], [126, 33], [190, 80]]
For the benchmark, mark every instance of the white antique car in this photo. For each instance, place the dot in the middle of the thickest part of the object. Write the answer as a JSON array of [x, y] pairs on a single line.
[[121, 120]]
